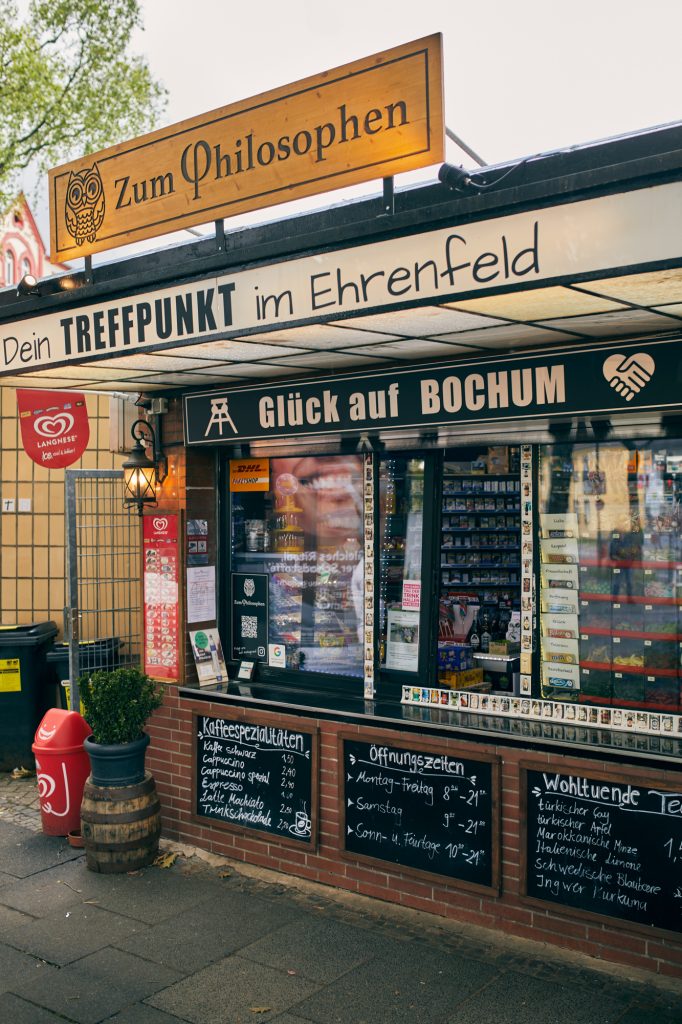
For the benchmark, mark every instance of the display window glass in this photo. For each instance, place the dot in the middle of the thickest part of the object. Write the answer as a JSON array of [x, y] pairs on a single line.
[[480, 568], [610, 573], [302, 538], [443, 587], [401, 528]]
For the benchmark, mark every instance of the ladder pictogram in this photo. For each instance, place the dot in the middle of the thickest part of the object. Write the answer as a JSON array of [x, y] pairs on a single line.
[[220, 414]]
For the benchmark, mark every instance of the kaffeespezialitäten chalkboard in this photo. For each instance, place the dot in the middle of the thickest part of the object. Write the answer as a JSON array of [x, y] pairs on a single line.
[[608, 846], [257, 776], [427, 808]]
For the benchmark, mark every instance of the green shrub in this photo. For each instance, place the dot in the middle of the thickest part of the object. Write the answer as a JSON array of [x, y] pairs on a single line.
[[117, 703]]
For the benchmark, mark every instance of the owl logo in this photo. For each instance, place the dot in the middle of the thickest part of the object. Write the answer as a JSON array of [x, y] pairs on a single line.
[[84, 206]]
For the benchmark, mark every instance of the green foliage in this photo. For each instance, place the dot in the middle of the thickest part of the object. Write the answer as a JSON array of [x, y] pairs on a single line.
[[69, 84], [117, 703]]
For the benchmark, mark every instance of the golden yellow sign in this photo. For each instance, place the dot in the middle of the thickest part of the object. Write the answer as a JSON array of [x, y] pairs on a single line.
[[369, 119], [249, 475]]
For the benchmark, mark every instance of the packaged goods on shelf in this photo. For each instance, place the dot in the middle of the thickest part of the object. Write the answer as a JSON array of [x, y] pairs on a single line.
[[456, 657]]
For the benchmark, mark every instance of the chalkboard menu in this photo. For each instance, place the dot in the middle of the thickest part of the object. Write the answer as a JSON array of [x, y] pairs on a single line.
[[608, 845], [257, 776], [427, 808]]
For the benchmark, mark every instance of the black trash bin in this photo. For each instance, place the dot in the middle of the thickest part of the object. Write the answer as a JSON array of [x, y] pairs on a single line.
[[92, 655], [24, 682]]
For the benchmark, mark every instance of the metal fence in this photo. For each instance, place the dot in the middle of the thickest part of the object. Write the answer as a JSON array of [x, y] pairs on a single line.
[[103, 618]]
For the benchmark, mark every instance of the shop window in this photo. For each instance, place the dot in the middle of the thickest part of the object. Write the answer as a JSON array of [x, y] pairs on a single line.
[[480, 568], [300, 542], [611, 560], [401, 521], [444, 601]]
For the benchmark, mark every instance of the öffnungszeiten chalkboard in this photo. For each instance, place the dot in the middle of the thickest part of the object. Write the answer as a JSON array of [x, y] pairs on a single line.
[[607, 845], [257, 775], [431, 808]]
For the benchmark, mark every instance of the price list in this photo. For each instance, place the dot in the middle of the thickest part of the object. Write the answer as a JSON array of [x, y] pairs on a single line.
[[161, 577], [430, 810], [257, 776], [609, 845]]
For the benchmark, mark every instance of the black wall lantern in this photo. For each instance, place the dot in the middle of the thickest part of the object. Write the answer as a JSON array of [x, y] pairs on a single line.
[[140, 473]]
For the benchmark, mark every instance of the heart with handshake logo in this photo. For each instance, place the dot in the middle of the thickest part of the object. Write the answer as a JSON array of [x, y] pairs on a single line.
[[628, 375]]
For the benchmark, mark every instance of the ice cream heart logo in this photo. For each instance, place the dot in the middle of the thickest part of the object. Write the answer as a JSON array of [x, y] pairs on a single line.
[[160, 524], [53, 426], [628, 375]]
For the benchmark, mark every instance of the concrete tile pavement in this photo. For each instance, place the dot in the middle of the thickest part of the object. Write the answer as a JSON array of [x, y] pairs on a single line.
[[189, 945]]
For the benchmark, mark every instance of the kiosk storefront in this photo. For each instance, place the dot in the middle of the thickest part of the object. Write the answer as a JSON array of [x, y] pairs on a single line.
[[413, 576]]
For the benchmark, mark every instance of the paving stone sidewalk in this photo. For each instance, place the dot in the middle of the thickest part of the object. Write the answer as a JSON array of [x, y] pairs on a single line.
[[206, 942], [19, 801]]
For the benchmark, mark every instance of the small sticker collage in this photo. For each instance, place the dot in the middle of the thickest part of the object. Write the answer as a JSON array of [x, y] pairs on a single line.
[[527, 574], [620, 719], [368, 581]]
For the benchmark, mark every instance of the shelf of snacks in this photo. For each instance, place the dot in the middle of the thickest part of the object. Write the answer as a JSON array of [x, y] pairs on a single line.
[[480, 576]]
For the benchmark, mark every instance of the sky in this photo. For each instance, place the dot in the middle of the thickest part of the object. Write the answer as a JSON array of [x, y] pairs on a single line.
[[521, 76]]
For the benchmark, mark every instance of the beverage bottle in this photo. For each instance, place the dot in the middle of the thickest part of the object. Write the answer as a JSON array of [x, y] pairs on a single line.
[[475, 637], [485, 635]]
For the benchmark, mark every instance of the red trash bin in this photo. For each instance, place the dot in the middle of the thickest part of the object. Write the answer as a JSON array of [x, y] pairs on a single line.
[[62, 766]]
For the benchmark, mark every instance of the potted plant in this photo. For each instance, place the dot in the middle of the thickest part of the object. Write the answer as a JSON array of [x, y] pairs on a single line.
[[117, 703]]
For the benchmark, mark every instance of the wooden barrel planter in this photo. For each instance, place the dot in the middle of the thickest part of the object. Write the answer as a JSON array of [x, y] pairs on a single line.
[[121, 826]]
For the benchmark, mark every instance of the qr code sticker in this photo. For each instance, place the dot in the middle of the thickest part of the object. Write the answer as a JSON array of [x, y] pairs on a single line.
[[249, 627]]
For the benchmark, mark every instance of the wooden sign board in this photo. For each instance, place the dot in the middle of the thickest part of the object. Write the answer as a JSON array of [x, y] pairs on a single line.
[[369, 119]]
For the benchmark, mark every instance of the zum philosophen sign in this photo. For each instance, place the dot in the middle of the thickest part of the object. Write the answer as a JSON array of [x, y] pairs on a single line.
[[621, 377], [369, 119]]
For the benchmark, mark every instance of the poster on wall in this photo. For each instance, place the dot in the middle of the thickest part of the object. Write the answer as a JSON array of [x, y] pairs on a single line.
[[250, 616], [201, 603], [412, 595], [197, 541], [402, 643], [208, 656], [161, 577]]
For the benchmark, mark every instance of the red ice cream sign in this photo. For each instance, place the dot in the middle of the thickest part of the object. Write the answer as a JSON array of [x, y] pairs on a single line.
[[161, 596], [54, 426]]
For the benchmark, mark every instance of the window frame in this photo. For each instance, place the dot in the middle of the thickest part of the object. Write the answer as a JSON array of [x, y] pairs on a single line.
[[388, 682]]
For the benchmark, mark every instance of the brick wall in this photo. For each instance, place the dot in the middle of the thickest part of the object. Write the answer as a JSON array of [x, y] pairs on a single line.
[[191, 488], [170, 759]]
